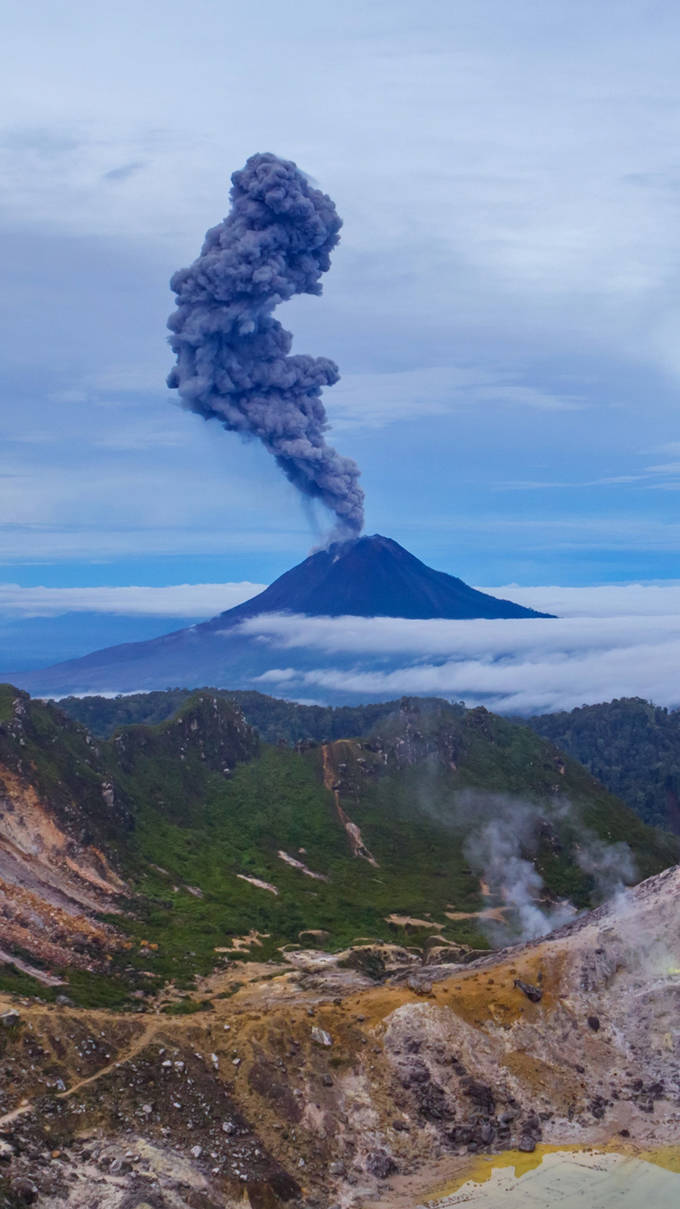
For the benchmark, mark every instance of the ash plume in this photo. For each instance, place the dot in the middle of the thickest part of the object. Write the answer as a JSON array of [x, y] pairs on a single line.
[[233, 361]]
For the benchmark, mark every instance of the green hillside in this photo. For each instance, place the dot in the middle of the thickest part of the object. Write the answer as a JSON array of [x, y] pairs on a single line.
[[630, 745], [398, 785], [209, 805]]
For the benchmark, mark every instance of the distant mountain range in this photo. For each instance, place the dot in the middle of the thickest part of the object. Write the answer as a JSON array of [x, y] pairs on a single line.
[[368, 577]]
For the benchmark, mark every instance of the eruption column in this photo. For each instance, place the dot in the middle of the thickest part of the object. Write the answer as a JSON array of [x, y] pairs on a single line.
[[233, 361]]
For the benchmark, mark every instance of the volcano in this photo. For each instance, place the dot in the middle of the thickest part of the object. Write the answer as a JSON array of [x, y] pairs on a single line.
[[371, 577], [364, 577]]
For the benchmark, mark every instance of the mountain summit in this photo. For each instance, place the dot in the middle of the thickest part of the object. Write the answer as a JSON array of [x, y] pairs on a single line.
[[371, 577], [365, 577]]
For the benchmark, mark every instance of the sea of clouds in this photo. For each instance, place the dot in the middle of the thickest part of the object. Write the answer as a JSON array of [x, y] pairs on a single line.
[[609, 641]]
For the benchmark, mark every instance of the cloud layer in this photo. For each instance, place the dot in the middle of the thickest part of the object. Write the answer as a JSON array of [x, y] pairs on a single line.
[[620, 640], [176, 600]]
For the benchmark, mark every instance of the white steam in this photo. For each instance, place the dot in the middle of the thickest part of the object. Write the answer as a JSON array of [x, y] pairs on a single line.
[[502, 850]]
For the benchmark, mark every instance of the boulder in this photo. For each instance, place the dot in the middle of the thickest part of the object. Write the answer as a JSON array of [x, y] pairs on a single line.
[[535, 994], [321, 1037], [380, 1164]]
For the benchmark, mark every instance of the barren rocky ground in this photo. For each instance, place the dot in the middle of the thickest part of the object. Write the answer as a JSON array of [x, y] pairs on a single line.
[[308, 1084]]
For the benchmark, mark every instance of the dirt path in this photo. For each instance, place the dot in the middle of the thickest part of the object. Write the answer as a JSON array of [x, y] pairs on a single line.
[[150, 1029], [130, 1051], [9, 1117], [356, 842]]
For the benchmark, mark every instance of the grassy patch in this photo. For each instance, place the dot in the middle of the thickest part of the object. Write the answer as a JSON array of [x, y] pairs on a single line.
[[7, 695], [15, 982]]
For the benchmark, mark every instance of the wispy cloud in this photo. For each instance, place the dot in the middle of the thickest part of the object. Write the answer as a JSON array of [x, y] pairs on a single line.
[[124, 172], [375, 400], [538, 683], [176, 600]]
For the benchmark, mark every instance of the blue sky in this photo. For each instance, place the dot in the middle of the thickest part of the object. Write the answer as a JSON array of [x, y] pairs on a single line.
[[504, 305]]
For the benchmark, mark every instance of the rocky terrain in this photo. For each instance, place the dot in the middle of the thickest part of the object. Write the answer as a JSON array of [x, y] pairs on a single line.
[[311, 1084], [234, 973], [55, 878]]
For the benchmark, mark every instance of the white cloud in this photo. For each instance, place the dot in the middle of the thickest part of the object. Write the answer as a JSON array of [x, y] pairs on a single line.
[[176, 600], [611, 641], [535, 683], [602, 600]]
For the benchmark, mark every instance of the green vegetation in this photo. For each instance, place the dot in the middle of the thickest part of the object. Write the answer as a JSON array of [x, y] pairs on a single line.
[[16, 982], [199, 833], [201, 805], [67, 768], [276, 721], [187, 1007], [7, 695], [631, 746], [108, 991]]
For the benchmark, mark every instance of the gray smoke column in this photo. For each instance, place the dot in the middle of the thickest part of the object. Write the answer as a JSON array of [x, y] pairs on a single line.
[[233, 361]]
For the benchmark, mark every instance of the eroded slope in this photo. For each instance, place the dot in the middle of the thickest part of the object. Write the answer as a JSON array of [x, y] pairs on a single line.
[[309, 1086]]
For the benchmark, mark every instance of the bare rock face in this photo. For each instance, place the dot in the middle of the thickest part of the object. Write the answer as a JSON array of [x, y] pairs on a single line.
[[55, 813], [245, 1099]]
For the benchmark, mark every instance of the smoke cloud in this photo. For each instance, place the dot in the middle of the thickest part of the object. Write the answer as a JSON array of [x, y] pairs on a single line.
[[233, 361], [501, 848]]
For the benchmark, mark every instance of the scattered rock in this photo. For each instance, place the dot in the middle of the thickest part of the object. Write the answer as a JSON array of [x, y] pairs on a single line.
[[594, 1023], [527, 1144], [120, 1167], [380, 1164], [25, 1191], [480, 1094], [535, 994], [321, 1037], [419, 986]]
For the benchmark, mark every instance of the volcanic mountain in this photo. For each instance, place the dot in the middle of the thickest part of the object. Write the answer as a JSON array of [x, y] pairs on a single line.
[[372, 577], [366, 577]]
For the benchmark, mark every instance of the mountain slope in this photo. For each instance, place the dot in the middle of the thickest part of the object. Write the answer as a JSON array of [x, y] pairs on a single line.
[[229, 845], [311, 1084], [630, 745], [370, 577], [59, 813]]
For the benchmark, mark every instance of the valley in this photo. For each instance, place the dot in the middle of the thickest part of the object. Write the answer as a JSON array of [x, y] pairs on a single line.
[[297, 969]]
